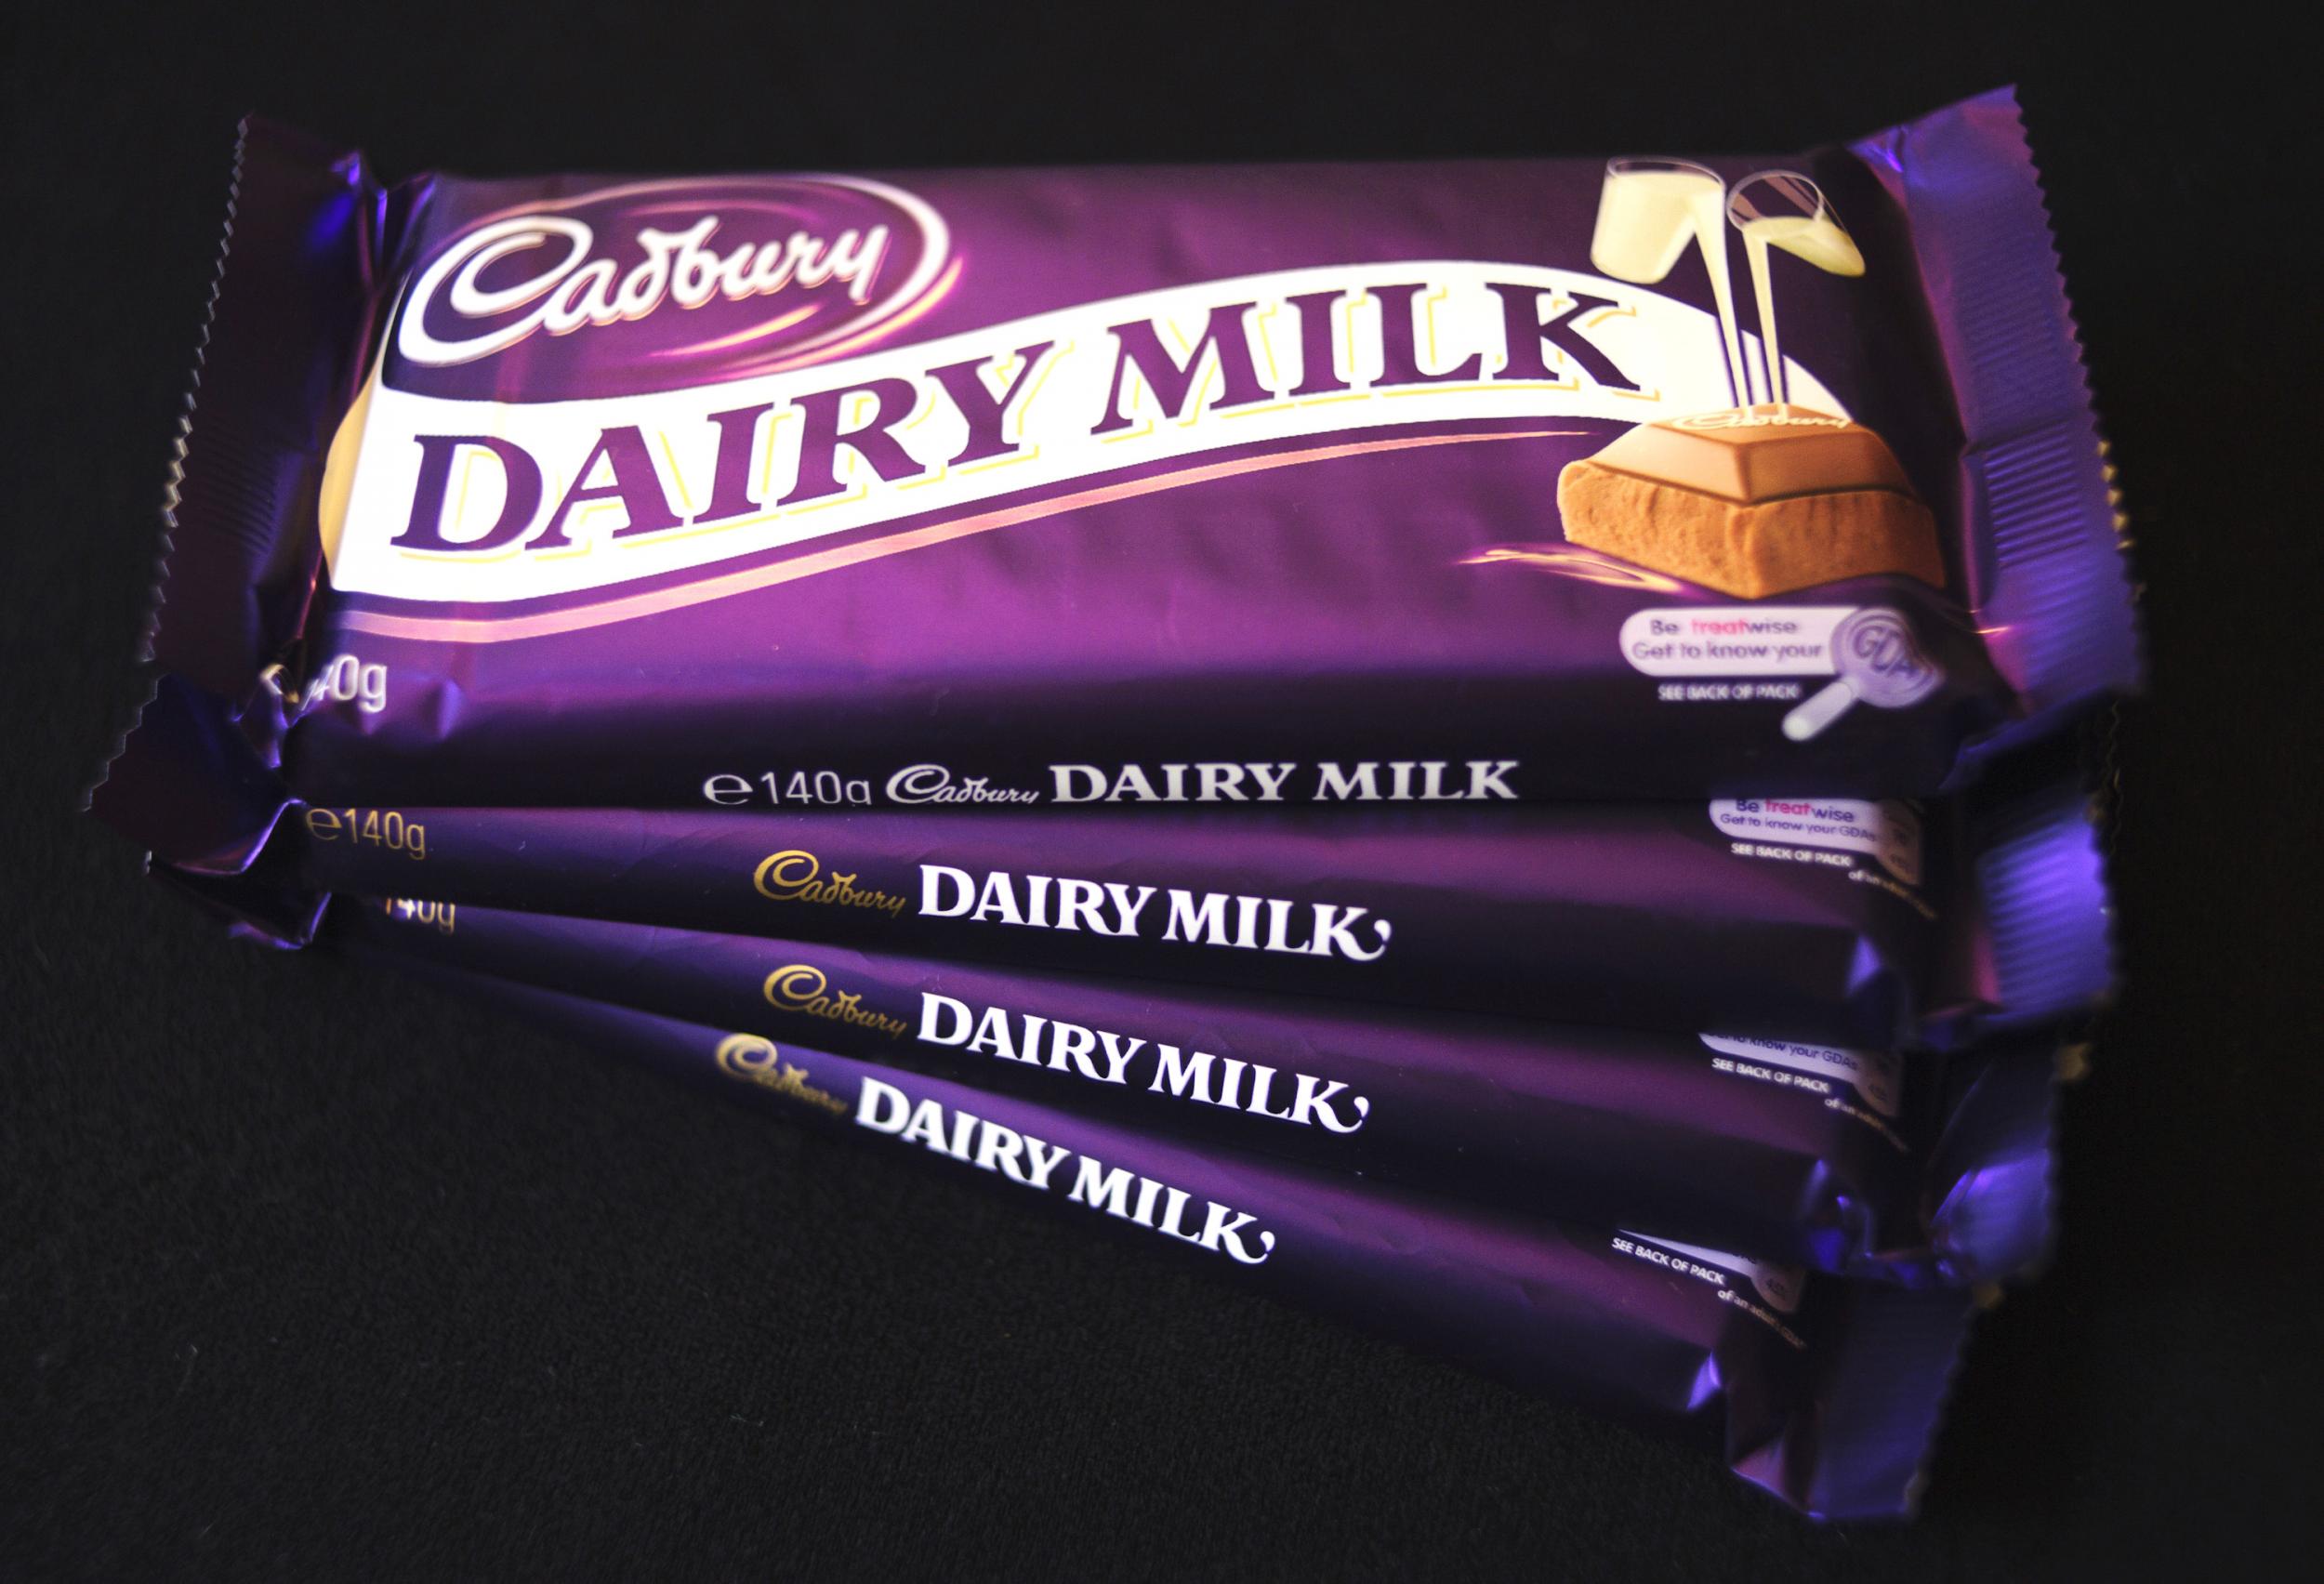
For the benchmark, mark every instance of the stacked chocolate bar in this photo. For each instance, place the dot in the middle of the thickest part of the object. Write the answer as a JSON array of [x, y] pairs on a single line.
[[1367, 725]]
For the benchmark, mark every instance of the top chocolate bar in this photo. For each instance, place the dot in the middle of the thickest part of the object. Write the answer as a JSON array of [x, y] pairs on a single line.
[[1512, 480]]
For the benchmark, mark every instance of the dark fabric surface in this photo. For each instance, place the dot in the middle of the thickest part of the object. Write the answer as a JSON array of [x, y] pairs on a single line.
[[306, 1273]]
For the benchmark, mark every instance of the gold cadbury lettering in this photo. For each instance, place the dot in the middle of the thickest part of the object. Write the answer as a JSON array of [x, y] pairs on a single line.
[[754, 1059], [792, 876], [799, 987]]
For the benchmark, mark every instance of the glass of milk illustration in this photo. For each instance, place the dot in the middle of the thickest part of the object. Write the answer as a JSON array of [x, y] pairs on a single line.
[[1783, 209], [1648, 212]]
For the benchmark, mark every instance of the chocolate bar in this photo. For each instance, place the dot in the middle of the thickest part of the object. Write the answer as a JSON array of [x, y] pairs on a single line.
[[1843, 923], [1825, 1393], [1921, 1170], [1752, 503], [1334, 485]]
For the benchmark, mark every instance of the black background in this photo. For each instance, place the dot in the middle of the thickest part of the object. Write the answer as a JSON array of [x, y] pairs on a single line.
[[307, 1273]]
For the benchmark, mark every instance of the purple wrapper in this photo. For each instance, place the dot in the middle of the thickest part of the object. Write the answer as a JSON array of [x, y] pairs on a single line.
[[1197, 485], [1851, 924], [1802, 1154], [1826, 1393]]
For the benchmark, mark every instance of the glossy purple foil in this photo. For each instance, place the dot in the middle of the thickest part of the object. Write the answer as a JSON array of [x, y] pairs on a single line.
[[1348, 576], [1827, 1393], [1640, 916], [1806, 1156]]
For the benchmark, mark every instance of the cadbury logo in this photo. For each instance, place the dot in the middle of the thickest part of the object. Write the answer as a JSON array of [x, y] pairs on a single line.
[[755, 1060], [1761, 417], [803, 987], [556, 273], [795, 875]]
